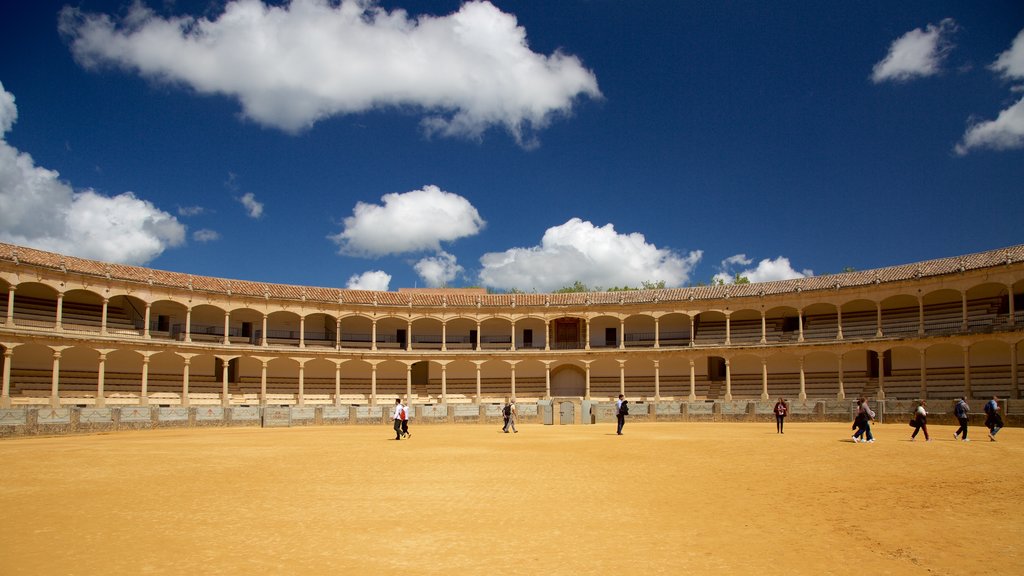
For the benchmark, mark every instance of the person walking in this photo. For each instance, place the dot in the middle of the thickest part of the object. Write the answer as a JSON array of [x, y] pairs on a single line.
[[405, 421], [920, 422], [961, 410], [863, 422], [510, 416], [993, 421], [398, 415], [781, 410], [621, 411]]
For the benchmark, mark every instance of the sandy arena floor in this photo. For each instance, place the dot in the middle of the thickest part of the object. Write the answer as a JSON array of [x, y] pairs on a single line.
[[661, 499]]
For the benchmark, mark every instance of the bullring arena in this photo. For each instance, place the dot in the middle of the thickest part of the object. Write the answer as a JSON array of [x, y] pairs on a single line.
[[159, 422]]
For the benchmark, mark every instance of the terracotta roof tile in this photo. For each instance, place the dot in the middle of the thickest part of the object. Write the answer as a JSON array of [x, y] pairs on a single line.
[[463, 298]]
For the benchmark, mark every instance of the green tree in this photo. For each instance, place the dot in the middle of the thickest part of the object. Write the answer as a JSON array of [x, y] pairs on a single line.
[[576, 286]]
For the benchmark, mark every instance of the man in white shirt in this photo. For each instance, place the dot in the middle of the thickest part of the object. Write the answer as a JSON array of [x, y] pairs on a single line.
[[399, 410]]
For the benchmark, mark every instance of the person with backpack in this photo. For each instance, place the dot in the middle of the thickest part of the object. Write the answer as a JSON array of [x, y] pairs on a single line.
[[405, 421], [509, 412], [961, 410], [993, 421], [781, 409], [397, 416], [621, 411], [920, 422]]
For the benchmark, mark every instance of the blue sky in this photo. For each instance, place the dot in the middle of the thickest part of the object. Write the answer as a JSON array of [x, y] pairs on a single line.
[[511, 144]]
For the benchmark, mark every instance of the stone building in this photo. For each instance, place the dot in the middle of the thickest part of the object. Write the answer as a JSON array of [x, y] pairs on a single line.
[[85, 333]]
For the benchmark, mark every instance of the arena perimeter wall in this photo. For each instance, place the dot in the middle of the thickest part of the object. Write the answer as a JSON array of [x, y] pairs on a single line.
[[48, 421]]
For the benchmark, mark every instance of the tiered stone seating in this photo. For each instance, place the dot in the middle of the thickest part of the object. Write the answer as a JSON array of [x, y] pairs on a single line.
[[710, 333]]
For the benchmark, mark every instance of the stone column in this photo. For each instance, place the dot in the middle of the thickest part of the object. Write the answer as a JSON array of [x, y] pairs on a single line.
[[512, 380], [263, 336], [263, 382], [881, 375], [144, 391], [622, 333], [728, 379], [477, 344], [373, 384], [924, 374], [839, 323], [878, 321], [964, 325], [10, 305], [693, 337], [302, 382], [373, 335], [803, 380], [184, 382], [302, 331], [841, 394], [657, 381], [103, 319], [60, 311], [408, 336], [477, 380], [693, 382], [920, 315], [513, 345], [764, 378], [547, 380], [967, 372], [444, 382], [657, 334], [800, 323], [145, 321], [547, 334], [444, 336], [225, 399], [337, 333], [586, 343], [337, 383], [764, 329], [622, 377], [188, 324], [587, 387], [101, 372], [728, 329], [408, 382], [5, 393], [55, 380], [227, 328]]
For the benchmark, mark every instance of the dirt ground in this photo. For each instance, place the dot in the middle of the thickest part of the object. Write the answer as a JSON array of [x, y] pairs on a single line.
[[663, 498]]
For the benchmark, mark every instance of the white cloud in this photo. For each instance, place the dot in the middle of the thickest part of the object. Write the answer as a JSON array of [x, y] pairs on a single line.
[[1006, 132], [8, 111], [767, 270], [577, 250], [917, 53], [438, 270], [408, 222], [1010, 63], [37, 209], [190, 210], [253, 208], [205, 235], [370, 280], [292, 65]]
